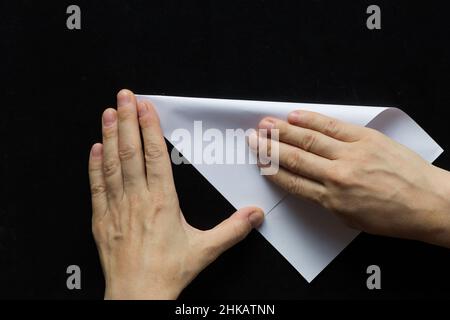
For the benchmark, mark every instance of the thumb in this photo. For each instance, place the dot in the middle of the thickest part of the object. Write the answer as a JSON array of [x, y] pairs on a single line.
[[233, 230]]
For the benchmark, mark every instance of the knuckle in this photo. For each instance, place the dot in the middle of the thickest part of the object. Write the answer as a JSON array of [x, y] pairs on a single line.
[[109, 133], [97, 189], [294, 185], [94, 169], [110, 167], [153, 151], [158, 208], [335, 201], [127, 151], [308, 141], [294, 160], [331, 127], [158, 203], [320, 196]]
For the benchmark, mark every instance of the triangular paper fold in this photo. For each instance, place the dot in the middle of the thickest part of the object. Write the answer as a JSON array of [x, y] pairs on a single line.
[[308, 236]]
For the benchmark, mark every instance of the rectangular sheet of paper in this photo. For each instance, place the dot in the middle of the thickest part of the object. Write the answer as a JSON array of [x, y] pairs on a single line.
[[307, 235]]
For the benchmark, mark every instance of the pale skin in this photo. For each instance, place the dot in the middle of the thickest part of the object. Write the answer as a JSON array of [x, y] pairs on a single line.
[[149, 251], [371, 182], [146, 247]]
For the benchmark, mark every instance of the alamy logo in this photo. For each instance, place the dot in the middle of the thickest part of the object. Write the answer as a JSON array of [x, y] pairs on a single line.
[[374, 280], [214, 146], [74, 280], [374, 20], [73, 21]]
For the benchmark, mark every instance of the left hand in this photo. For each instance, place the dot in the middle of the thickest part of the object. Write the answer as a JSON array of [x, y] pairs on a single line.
[[146, 247]]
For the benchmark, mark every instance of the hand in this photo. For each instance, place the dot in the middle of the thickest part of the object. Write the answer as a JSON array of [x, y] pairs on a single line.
[[147, 249], [370, 181]]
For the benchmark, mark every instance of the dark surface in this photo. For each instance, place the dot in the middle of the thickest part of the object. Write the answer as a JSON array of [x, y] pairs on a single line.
[[57, 83]]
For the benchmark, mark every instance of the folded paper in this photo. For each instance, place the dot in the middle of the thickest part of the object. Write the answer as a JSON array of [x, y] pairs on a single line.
[[308, 236]]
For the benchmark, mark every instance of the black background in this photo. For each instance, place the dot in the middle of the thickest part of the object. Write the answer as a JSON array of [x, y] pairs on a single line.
[[57, 82]]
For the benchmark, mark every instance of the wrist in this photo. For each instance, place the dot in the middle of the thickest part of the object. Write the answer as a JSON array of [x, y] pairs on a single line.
[[141, 292], [437, 213]]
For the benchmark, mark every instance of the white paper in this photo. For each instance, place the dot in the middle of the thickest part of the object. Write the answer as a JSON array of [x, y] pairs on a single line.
[[308, 236]]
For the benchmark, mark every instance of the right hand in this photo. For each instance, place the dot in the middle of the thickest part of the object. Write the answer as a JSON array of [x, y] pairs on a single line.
[[370, 181]]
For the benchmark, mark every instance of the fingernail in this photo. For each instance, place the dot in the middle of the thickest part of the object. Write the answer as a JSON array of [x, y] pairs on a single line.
[[267, 123], [142, 109], [252, 141], [109, 117], [123, 97], [294, 116], [256, 218], [96, 150]]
